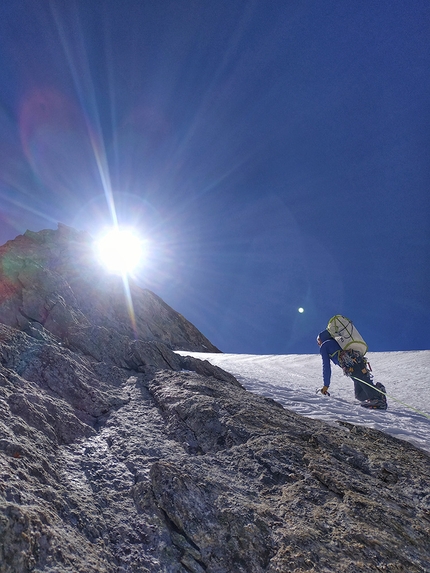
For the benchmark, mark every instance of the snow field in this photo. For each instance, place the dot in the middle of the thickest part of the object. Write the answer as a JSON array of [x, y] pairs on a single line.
[[293, 380]]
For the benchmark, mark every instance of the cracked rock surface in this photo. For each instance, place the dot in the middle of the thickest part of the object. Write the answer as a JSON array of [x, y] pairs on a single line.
[[119, 456]]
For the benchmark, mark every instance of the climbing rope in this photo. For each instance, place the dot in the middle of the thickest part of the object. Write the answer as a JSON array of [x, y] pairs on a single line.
[[392, 398]]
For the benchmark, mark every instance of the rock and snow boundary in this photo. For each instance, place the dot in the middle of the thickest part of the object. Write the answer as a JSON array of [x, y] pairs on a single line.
[[293, 380]]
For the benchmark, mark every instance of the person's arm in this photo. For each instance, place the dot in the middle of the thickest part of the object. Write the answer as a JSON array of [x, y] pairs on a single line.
[[326, 366]]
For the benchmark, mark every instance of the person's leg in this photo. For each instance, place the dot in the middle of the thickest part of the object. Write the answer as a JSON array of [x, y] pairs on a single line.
[[363, 386], [355, 366], [371, 396]]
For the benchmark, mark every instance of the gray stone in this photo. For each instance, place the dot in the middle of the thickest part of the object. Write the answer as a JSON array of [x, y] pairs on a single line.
[[53, 278], [118, 455]]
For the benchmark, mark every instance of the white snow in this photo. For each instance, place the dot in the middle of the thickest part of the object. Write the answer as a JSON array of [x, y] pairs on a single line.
[[293, 380]]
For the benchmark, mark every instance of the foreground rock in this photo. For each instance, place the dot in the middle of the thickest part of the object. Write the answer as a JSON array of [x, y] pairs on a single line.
[[107, 469], [118, 456]]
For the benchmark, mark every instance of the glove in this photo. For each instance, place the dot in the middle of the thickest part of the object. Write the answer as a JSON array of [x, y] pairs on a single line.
[[324, 390]]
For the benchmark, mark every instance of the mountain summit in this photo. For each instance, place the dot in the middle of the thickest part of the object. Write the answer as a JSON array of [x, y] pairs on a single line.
[[118, 455], [51, 279]]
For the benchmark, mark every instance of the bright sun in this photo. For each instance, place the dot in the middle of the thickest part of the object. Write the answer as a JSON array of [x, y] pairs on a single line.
[[120, 250]]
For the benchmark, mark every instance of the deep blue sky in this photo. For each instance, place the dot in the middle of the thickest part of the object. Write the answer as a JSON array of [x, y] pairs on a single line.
[[276, 154]]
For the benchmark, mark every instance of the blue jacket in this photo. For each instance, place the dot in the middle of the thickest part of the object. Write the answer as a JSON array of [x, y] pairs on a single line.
[[329, 351]]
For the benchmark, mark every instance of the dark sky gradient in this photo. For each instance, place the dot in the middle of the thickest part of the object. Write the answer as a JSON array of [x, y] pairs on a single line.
[[276, 154]]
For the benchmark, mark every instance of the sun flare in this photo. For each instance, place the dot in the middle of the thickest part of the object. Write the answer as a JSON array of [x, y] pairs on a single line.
[[120, 250]]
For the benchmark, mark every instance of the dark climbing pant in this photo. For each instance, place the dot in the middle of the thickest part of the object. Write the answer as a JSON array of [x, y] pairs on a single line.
[[360, 374]]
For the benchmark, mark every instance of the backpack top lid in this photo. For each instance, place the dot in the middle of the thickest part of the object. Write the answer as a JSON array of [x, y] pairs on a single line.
[[346, 335]]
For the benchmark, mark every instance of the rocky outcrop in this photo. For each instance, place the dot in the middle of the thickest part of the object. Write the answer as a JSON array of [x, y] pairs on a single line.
[[118, 456], [52, 278]]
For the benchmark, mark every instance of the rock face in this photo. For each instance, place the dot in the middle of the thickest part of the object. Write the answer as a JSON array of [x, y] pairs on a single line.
[[52, 279], [118, 455]]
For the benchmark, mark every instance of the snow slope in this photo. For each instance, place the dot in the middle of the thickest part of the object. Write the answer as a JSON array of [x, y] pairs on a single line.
[[293, 381]]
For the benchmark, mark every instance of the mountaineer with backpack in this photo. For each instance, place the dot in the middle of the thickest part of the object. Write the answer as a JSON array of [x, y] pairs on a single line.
[[341, 344]]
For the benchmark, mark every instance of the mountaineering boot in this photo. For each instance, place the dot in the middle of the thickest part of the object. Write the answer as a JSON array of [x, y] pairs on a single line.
[[383, 395], [376, 404], [379, 403]]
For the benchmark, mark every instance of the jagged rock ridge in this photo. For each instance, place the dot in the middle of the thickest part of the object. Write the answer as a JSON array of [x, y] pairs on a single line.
[[118, 455], [52, 279]]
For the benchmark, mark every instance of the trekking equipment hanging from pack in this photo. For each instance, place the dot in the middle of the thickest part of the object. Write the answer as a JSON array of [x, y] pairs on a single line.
[[346, 335]]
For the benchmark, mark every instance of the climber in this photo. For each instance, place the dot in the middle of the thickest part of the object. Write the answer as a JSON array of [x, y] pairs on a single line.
[[353, 365]]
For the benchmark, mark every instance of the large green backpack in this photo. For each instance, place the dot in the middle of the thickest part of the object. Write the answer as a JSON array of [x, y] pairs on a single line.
[[346, 335]]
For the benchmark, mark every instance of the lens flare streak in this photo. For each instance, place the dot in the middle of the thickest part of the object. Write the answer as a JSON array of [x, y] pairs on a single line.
[[129, 303]]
